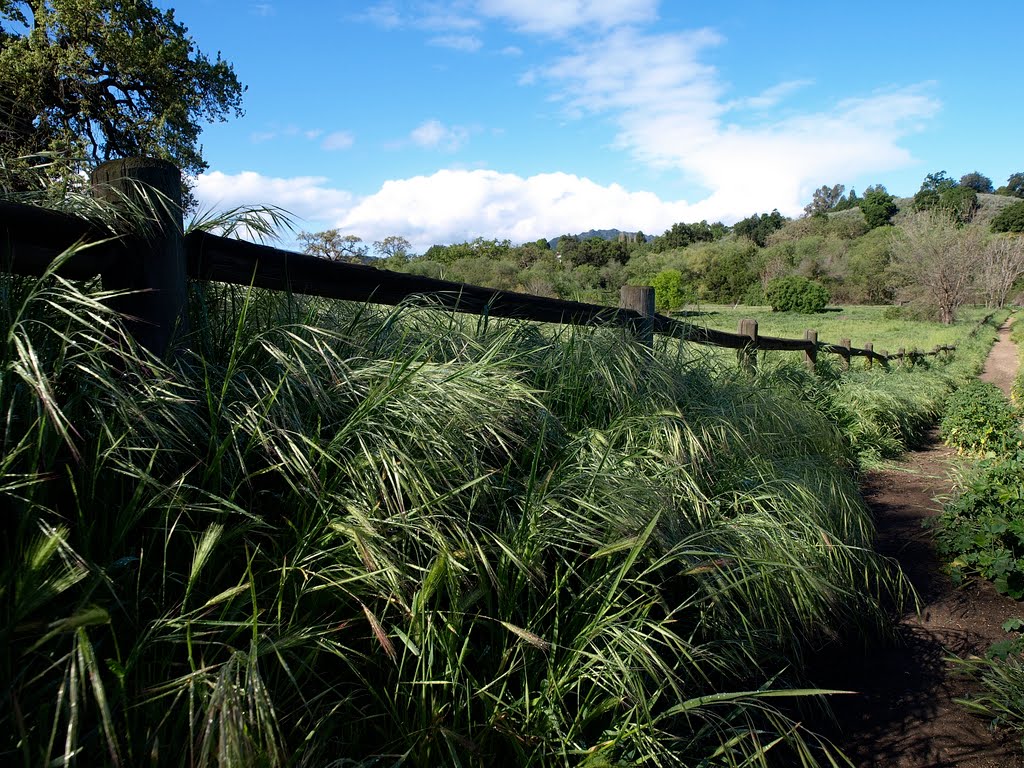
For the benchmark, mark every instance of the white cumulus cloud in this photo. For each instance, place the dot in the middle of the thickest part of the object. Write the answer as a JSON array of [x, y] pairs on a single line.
[[309, 198], [452, 205], [456, 205]]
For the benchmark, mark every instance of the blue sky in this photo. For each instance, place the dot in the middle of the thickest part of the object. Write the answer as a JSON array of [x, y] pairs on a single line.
[[519, 119]]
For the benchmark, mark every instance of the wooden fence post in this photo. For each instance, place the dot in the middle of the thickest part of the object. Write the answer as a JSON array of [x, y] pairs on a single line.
[[844, 353], [152, 263], [747, 355], [811, 354], [640, 298], [870, 348], [885, 358], [902, 355]]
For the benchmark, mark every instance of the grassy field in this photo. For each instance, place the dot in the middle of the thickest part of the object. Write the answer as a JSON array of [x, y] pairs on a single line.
[[859, 323], [335, 534]]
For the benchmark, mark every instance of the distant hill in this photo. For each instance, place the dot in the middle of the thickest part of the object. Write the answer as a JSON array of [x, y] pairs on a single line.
[[603, 234]]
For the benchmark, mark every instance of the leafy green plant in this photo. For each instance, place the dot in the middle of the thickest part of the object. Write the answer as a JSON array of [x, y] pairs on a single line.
[[982, 532], [796, 294], [979, 419], [669, 291], [1009, 219]]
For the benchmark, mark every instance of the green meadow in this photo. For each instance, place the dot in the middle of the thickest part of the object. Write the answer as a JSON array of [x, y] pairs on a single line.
[[859, 323]]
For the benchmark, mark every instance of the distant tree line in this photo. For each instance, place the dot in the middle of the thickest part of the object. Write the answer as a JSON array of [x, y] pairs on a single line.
[[852, 248]]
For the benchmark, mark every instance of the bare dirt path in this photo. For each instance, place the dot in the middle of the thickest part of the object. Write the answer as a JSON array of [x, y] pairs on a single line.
[[905, 715], [1001, 365]]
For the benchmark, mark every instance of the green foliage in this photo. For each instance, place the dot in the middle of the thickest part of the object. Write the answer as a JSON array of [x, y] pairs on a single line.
[[336, 534], [878, 206], [1014, 186], [102, 79], [1000, 674], [938, 191], [937, 182], [982, 532], [758, 228], [1010, 219], [977, 181], [394, 247], [824, 199], [796, 294], [962, 202], [595, 251], [979, 419], [334, 246], [867, 267], [669, 290], [726, 270], [680, 235], [888, 413]]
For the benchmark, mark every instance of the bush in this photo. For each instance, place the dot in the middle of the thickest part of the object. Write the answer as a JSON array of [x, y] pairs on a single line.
[[1010, 219], [669, 292], [796, 294], [983, 530], [978, 418]]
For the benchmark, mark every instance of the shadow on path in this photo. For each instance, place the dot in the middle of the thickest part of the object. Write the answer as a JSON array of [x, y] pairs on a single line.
[[905, 715]]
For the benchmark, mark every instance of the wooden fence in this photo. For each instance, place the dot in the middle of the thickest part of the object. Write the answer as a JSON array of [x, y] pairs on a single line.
[[157, 265]]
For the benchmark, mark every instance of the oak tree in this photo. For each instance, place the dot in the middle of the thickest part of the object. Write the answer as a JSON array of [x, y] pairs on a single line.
[[977, 181], [392, 247], [94, 80], [334, 246], [878, 206]]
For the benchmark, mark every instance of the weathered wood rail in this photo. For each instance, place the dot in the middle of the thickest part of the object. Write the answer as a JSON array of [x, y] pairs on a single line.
[[157, 263]]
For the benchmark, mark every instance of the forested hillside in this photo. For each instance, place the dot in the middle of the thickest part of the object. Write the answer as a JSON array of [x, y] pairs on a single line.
[[952, 242]]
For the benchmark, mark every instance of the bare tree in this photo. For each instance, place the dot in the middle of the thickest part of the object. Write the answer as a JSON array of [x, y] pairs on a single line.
[[1001, 264], [936, 261]]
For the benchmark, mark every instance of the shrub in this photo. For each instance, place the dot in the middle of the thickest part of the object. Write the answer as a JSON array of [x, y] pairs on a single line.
[[796, 294], [983, 530], [1010, 219], [669, 292], [978, 418]]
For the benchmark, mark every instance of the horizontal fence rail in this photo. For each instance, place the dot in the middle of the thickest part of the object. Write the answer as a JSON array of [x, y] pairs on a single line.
[[31, 238]]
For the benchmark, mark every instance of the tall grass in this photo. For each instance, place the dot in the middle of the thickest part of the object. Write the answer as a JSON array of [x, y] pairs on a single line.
[[336, 535]]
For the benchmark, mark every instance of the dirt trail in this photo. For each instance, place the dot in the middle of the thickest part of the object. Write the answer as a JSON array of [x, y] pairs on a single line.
[[1001, 365], [905, 715]]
